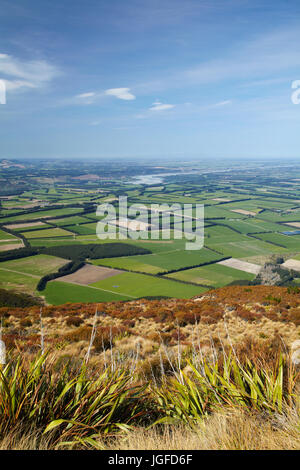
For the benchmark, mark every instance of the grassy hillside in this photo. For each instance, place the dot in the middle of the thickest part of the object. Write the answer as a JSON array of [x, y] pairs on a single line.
[[215, 371]]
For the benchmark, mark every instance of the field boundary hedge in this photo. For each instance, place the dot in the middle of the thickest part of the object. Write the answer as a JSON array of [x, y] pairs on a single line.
[[66, 269]]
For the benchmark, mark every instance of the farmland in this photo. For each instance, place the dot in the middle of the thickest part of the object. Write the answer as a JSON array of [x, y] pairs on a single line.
[[214, 275], [23, 274], [247, 213]]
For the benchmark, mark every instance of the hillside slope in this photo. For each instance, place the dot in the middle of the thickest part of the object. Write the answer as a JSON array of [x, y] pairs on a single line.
[[250, 318]]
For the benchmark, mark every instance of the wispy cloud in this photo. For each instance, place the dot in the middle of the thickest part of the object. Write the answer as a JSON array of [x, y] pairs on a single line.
[[259, 58], [92, 97], [221, 103], [121, 93], [158, 106], [155, 109], [86, 95], [20, 74], [265, 59]]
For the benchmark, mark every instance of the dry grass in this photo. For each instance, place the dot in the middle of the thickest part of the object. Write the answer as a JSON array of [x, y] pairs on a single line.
[[30, 440], [232, 430], [228, 430]]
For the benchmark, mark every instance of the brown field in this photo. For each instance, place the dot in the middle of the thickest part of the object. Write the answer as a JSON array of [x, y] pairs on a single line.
[[221, 199], [293, 224], [241, 265], [24, 225], [89, 274], [11, 246], [242, 211], [292, 264]]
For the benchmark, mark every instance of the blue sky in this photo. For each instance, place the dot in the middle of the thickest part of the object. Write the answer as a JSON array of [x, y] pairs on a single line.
[[142, 78]]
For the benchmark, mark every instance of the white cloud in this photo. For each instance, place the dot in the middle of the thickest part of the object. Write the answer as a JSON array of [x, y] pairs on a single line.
[[92, 97], [158, 106], [221, 103], [19, 74], [86, 95], [121, 93]]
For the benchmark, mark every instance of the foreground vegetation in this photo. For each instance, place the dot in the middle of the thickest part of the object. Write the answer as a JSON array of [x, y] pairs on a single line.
[[139, 374], [67, 407]]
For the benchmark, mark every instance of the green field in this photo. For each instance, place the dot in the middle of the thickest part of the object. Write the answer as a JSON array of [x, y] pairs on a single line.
[[57, 293], [141, 285], [24, 274], [293, 216], [47, 233], [291, 242], [252, 225], [77, 219], [41, 214], [83, 229], [214, 275], [162, 262], [38, 265], [7, 236], [245, 248], [17, 281]]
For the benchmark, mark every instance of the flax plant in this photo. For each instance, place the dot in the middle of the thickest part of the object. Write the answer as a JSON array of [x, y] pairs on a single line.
[[71, 405], [189, 397]]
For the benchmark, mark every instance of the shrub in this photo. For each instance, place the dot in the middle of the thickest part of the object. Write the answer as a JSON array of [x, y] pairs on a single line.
[[74, 321], [10, 298]]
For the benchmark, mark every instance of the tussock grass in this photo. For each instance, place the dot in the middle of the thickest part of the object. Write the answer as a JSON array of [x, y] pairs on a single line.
[[231, 429]]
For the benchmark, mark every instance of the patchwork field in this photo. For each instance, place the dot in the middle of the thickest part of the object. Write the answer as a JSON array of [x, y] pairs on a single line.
[[5, 236], [83, 229], [141, 285], [57, 293], [245, 248], [45, 214], [289, 242], [24, 274], [252, 225], [246, 212], [163, 261], [47, 233], [243, 212], [292, 264], [65, 221], [38, 265], [12, 245], [17, 281], [241, 265], [213, 275], [89, 274]]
